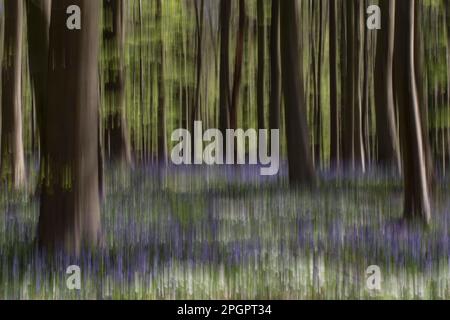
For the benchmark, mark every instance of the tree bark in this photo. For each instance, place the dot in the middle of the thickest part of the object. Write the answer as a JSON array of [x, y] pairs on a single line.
[[301, 168], [70, 206], [416, 187], [12, 154]]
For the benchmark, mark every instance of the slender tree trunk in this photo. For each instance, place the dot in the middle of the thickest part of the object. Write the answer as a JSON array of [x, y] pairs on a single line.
[[301, 168], [416, 193], [12, 154], [347, 109], [199, 17], [334, 114], [275, 82], [343, 131], [358, 144], [224, 73], [260, 77], [388, 145], [162, 140], [419, 62], [116, 139], [70, 206], [238, 65]]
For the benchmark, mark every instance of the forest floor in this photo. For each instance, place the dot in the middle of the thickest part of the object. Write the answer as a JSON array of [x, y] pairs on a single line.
[[215, 233]]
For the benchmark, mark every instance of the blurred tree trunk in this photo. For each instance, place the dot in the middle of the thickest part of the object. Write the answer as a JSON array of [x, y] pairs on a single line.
[[353, 149], [224, 81], [162, 140], [116, 140], [238, 65], [349, 91], [416, 192], [419, 63], [38, 24], [334, 114], [261, 64], [358, 143], [12, 153], [388, 145], [70, 206], [275, 83], [317, 78], [199, 18], [301, 168]]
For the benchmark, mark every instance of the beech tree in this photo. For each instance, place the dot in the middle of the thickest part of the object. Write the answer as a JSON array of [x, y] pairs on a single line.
[[416, 184], [70, 205]]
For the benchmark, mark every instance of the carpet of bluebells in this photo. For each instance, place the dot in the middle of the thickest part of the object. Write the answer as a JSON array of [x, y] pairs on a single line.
[[227, 233]]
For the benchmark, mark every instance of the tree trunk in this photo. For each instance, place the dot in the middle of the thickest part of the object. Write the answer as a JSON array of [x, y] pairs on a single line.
[[224, 94], [116, 140], [12, 154], [260, 70], [70, 206], [238, 65], [388, 145], [199, 17], [347, 108], [38, 24], [416, 193], [358, 144], [301, 168], [162, 140], [419, 62], [275, 83], [334, 114]]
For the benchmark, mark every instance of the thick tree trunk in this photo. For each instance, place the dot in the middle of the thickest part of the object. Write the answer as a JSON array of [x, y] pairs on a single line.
[[334, 114], [275, 83], [301, 168], [116, 140], [70, 206], [38, 24], [416, 193], [388, 145], [224, 94], [12, 154]]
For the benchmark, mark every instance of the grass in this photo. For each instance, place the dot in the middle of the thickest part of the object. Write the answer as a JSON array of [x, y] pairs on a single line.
[[226, 233]]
